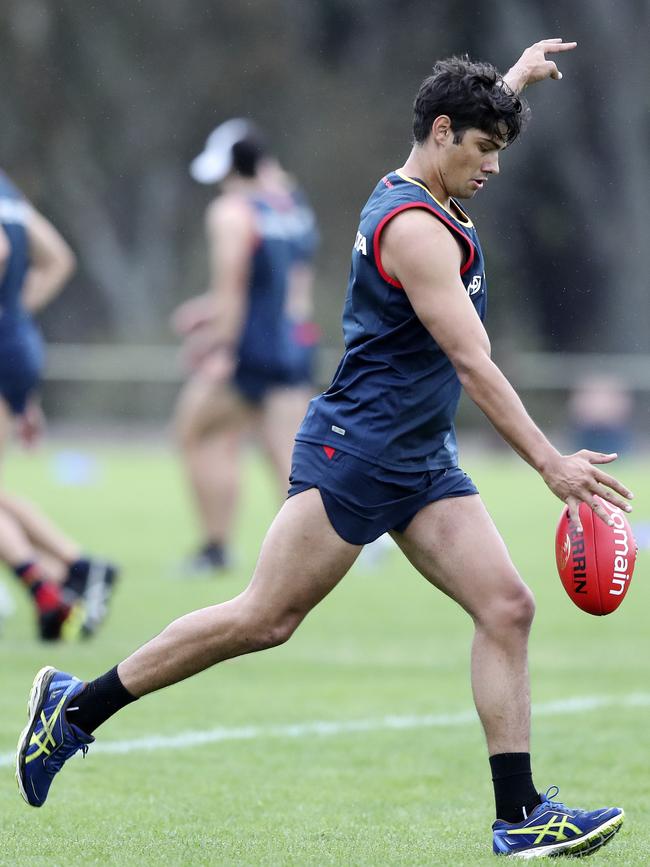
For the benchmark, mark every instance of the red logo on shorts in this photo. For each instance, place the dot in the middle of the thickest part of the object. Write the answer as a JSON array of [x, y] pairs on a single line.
[[329, 451]]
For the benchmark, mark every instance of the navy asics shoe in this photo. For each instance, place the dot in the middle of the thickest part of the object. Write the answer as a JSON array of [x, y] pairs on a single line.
[[555, 829], [48, 740]]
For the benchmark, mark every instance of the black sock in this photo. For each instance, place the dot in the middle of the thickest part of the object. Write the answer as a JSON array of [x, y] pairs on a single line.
[[30, 574], [514, 793], [98, 701]]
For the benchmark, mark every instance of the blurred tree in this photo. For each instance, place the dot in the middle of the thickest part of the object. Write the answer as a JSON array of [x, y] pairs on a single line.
[[105, 104]]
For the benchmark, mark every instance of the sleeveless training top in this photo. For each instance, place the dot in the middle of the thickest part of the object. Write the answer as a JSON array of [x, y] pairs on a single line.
[[394, 395], [13, 217], [286, 234]]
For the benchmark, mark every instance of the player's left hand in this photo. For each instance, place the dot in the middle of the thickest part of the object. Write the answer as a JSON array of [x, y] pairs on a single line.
[[534, 66], [31, 424], [577, 479]]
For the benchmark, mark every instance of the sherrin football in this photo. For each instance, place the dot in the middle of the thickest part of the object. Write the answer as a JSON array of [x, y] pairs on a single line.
[[595, 566]]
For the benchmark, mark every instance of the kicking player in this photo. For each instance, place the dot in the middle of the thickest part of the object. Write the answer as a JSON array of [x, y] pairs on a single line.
[[377, 452], [249, 339], [35, 262]]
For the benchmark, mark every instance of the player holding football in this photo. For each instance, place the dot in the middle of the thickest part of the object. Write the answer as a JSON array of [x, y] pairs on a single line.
[[35, 262], [377, 452]]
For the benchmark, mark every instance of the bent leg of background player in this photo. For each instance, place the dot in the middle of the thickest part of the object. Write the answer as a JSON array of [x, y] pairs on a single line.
[[455, 545], [18, 553], [40, 530], [209, 422], [84, 578], [284, 409]]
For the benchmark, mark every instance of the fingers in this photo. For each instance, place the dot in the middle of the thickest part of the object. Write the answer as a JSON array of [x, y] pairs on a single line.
[[614, 500], [598, 457], [556, 44], [601, 512], [615, 485], [574, 513]]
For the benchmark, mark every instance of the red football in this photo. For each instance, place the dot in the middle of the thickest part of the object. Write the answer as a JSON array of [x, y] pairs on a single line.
[[596, 565]]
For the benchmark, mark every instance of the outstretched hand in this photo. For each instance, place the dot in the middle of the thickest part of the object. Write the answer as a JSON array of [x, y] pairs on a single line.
[[577, 479], [533, 65]]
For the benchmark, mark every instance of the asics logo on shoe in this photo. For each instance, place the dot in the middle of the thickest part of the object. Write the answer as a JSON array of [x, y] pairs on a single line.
[[44, 739], [555, 829]]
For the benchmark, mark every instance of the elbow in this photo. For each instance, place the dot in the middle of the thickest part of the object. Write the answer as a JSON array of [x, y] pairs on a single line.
[[471, 369], [68, 264]]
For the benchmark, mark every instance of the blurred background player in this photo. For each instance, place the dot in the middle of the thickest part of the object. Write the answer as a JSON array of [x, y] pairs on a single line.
[[35, 262], [249, 340]]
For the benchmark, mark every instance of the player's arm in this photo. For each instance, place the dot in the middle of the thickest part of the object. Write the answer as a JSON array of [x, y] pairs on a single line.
[[52, 262], [423, 255], [5, 250], [300, 296], [230, 229], [534, 66]]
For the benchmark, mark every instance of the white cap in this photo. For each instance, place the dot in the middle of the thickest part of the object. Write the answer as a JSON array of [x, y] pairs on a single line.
[[215, 161]]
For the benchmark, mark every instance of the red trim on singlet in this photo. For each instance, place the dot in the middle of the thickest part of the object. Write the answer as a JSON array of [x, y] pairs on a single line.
[[424, 207]]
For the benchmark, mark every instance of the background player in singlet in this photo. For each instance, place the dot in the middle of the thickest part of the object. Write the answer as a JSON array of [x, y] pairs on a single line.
[[377, 451], [35, 262], [249, 340]]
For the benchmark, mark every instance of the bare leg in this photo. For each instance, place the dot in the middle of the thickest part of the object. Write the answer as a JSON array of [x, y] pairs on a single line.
[[40, 531], [456, 546], [15, 548], [284, 409], [209, 422], [301, 560]]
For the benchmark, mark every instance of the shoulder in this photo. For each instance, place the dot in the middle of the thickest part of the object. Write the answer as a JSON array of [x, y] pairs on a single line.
[[230, 212], [416, 233]]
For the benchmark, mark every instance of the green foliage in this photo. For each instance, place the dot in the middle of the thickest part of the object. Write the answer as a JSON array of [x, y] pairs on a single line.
[[382, 644]]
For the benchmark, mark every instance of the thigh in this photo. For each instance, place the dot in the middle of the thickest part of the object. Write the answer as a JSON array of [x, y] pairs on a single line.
[[205, 407], [283, 410], [455, 545], [302, 558]]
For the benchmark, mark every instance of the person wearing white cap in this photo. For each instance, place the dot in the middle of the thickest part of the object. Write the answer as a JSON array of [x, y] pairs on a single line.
[[248, 340]]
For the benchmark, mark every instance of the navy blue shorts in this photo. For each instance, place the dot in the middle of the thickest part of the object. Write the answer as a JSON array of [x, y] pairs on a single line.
[[364, 500], [21, 366], [254, 383]]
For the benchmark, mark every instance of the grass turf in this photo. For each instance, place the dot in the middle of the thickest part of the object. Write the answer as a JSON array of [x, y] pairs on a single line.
[[383, 643]]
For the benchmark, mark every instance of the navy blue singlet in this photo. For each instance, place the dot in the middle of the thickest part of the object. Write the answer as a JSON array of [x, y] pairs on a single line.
[[286, 234], [21, 347], [394, 395]]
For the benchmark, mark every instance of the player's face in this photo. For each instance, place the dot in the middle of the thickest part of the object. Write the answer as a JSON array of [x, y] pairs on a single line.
[[470, 162]]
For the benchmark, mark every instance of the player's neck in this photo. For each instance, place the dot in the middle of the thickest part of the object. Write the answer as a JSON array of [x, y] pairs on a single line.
[[418, 165]]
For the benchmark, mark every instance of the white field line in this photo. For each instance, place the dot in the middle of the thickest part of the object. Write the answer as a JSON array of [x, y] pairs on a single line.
[[561, 707]]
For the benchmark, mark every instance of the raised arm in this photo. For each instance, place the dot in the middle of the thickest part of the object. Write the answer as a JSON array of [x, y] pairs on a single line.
[[533, 65], [422, 254]]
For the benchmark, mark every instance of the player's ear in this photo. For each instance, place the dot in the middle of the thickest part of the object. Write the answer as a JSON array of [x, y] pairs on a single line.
[[441, 129]]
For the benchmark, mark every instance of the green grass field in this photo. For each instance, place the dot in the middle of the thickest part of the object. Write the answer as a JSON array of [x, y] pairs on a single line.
[[383, 645]]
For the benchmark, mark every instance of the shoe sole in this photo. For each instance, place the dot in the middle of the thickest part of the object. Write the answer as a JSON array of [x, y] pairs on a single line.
[[37, 693], [586, 845]]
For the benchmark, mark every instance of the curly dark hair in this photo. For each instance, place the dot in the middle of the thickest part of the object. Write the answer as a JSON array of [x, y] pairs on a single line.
[[473, 95]]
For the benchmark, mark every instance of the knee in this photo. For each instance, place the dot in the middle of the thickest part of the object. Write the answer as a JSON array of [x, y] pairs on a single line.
[[512, 611], [272, 632]]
